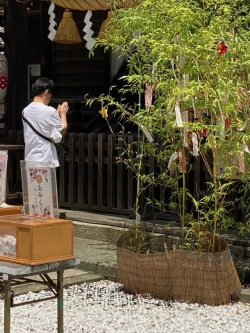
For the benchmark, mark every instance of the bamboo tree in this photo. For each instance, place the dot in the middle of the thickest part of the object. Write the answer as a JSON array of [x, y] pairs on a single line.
[[199, 52]]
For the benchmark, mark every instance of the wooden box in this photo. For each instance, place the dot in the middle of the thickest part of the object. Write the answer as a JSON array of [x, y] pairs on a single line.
[[10, 210], [30, 240]]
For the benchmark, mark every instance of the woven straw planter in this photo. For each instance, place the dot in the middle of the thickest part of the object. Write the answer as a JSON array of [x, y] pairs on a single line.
[[180, 275]]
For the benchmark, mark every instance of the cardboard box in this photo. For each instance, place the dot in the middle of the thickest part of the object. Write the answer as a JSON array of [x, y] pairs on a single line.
[[30, 240]]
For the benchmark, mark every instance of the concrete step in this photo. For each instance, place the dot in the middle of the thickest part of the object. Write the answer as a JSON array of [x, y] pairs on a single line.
[[96, 256]]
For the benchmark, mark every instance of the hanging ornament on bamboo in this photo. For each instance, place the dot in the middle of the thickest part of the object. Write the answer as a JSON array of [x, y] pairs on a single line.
[[52, 22], [222, 47], [178, 115], [185, 133], [104, 113], [148, 95], [241, 162], [147, 134], [173, 157], [203, 132], [246, 149], [3, 76], [195, 144], [172, 164], [88, 31]]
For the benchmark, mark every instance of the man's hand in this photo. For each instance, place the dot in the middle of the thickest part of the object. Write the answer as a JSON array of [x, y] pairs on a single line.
[[63, 108]]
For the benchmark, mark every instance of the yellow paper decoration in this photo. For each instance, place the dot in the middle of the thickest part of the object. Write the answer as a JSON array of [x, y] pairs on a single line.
[[104, 113]]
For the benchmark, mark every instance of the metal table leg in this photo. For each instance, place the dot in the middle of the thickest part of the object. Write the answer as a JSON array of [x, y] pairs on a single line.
[[7, 302], [60, 301]]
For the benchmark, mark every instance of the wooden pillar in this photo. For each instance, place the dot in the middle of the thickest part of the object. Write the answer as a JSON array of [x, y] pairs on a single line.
[[16, 54], [46, 49]]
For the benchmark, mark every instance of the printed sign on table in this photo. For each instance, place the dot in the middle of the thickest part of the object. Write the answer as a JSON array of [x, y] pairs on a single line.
[[39, 189], [3, 174]]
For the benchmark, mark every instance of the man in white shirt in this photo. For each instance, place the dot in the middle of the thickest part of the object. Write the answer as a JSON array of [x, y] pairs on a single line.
[[41, 119]]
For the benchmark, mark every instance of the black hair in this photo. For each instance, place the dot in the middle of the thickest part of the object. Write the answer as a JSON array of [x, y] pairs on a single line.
[[41, 85]]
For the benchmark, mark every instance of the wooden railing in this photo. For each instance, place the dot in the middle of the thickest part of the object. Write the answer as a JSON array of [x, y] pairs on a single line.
[[89, 177]]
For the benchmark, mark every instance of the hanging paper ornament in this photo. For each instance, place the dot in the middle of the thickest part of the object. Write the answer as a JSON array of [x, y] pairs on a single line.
[[191, 114], [173, 157], [3, 76], [246, 149], [172, 164], [148, 95], [52, 22], [195, 144], [147, 133], [227, 121], [222, 47], [241, 162], [88, 32], [185, 134], [201, 133], [104, 112], [178, 115]]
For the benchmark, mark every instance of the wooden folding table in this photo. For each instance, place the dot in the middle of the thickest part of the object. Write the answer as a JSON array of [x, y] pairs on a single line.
[[15, 274]]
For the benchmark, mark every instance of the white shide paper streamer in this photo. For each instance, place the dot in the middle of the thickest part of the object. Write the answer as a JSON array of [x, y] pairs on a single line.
[[52, 22], [88, 32]]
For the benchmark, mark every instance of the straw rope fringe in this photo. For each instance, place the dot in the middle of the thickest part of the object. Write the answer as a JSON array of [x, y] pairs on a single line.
[[94, 4], [67, 32], [180, 275]]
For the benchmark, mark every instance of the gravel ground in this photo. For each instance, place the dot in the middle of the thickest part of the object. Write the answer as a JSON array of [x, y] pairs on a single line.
[[102, 307]]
